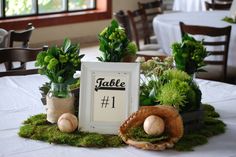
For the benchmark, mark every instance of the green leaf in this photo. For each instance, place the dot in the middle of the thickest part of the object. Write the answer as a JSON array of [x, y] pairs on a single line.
[[66, 45], [114, 23], [100, 59], [81, 56]]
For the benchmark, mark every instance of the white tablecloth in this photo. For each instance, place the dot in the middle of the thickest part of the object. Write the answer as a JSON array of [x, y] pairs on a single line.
[[167, 30], [189, 5], [20, 98]]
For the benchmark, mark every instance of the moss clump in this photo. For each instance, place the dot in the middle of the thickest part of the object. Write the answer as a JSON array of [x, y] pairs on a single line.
[[139, 134], [37, 120], [210, 111], [37, 128], [211, 127], [26, 131], [187, 142]]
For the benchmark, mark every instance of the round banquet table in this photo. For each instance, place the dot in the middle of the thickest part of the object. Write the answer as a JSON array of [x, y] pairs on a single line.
[[20, 98], [167, 30], [189, 5]]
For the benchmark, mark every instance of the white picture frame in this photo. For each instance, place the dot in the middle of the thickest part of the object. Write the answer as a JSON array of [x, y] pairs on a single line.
[[109, 93]]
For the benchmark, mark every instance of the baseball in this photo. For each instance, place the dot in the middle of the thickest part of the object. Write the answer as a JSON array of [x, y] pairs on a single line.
[[153, 125], [67, 122]]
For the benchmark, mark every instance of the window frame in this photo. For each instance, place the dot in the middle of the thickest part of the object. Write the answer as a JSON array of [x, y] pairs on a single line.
[[102, 11]]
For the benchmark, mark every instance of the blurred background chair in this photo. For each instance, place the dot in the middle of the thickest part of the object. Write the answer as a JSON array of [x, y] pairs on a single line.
[[23, 55], [140, 32], [22, 37], [123, 20], [152, 9], [216, 68], [218, 5], [19, 39]]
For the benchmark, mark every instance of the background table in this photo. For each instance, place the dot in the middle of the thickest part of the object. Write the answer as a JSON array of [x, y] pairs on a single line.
[[167, 30], [189, 5], [20, 98]]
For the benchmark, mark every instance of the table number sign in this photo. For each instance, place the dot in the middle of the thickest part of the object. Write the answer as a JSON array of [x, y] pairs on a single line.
[[109, 94]]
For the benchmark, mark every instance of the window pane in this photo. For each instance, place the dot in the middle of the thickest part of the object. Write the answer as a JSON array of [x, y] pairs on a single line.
[[16, 7], [81, 4], [49, 6]]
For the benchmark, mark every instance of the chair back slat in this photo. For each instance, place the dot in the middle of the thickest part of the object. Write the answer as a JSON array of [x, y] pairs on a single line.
[[216, 53], [214, 62], [18, 72], [216, 43], [218, 5]]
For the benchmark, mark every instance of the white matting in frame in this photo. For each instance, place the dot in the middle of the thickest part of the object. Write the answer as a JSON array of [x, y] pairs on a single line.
[[109, 93]]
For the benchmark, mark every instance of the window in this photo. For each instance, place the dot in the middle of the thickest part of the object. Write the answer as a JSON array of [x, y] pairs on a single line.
[[51, 12], [16, 8]]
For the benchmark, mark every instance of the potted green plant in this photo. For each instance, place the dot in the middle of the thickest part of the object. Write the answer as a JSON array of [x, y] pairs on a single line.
[[59, 64], [189, 55], [115, 45]]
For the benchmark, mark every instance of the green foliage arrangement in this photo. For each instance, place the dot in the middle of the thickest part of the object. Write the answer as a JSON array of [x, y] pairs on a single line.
[[189, 55], [37, 128], [164, 85], [179, 90], [114, 44], [60, 63], [151, 70]]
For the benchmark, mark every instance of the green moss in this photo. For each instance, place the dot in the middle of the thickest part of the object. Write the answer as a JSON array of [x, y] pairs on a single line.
[[139, 134], [210, 111], [115, 141], [211, 127], [37, 128], [26, 131], [37, 120], [93, 140], [189, 141]]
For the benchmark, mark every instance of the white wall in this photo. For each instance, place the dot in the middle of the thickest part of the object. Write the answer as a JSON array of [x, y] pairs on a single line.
[[79, 32]]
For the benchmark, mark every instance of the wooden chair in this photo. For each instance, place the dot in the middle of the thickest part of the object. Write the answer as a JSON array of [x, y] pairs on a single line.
[[21, 36], [217, 68], [22, 55], [140, 29], [123, 20], [152, 9], [218, 5], [16, 37]]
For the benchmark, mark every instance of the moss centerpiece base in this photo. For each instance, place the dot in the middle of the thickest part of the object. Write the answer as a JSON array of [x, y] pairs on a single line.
[[37, 128]]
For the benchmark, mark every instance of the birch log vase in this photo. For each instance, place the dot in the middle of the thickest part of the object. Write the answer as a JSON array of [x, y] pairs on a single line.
[[59, 100]]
